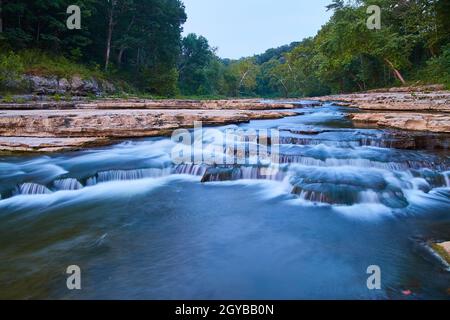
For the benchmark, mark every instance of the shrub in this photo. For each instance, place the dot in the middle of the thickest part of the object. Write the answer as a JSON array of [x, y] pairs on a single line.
[[43, 64], [11, 68], [438, 68]]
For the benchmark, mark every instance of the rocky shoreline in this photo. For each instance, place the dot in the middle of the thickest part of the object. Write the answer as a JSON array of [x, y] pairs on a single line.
[[425, 108], [43, 125], [62, 126]]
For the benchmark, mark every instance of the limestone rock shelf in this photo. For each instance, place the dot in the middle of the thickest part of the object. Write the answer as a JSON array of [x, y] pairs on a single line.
[[42, 127], [408, 121], [425, 108]]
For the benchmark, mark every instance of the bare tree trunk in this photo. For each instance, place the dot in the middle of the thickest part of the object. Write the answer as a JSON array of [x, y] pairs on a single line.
[[432, 52], [1, 19], [286, 91], [243, 77], [138, 56], [110, 31], [397, 73], [361, 87], [242, 80], [38, 34], [119, 57], [124, 47]]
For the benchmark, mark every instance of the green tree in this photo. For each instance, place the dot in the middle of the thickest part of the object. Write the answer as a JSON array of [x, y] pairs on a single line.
[[194, 67]]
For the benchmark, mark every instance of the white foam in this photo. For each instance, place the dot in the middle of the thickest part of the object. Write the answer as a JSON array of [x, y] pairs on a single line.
[[365, 211], [269, 189], [109, 190]]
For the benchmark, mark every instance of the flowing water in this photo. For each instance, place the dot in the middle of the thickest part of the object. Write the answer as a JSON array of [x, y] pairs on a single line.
[[139, 226]]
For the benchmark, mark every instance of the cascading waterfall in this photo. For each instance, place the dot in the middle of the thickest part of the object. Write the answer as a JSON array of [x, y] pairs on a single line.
[[31, 189], [333, 162], [190, 168], [117, 175], [132, 205], [322, 165], [67, 184], [447, 178]]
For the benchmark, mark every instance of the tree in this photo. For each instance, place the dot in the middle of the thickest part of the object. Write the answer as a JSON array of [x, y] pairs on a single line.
[[1, 16], [196, 57], [111, 22], [245, 71]]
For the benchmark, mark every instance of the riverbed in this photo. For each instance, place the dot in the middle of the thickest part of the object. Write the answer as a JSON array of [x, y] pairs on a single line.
[[141, 227]]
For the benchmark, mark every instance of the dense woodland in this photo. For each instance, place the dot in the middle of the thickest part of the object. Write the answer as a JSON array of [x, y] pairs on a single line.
[[139, 44]]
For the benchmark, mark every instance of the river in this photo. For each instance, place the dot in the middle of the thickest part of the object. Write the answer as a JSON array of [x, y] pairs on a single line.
[[141, 227]]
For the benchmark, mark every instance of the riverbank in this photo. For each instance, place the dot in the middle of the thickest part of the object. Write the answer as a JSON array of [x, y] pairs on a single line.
[[334, 183], [425, 108], [61, 126], [48, 125]]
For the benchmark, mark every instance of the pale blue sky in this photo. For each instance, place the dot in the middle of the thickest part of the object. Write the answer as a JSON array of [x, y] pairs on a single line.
[[246, 27]]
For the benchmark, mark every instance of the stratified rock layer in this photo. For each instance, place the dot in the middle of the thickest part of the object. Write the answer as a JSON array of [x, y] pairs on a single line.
[[425, 108], [409, 121], [76, 124], [118, 123]]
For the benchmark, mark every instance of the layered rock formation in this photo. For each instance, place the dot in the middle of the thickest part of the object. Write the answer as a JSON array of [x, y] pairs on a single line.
[[242, 104], [62, 125], [75, 85], [425, 108], [118, 123], [30, 144], [134, 103], [408, 120]]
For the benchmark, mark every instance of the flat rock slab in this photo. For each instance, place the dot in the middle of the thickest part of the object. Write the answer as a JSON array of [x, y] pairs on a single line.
[[425, 108], [410, 99], [54, 126], [185, 104], [439, 123], [134, 103], [29, 144], [126, 123]]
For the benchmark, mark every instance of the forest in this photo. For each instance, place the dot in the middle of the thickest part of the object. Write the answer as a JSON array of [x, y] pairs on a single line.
[[139, 44]]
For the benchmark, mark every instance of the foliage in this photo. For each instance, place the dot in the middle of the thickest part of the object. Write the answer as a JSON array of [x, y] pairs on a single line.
[[145, 36], [139, 44], [438, 68], [11, 68]]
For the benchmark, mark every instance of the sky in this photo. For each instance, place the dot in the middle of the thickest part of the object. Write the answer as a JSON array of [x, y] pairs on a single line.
[[241, 28]]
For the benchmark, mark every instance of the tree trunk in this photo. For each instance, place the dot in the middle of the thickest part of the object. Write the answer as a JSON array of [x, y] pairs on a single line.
[[397, 73], [109, 37], [1, 19], [119, 57], [286, 91], [432, 52], [243, 77], [124, 47], [138, 57], [38, 34], [242, 80], [360, 86]]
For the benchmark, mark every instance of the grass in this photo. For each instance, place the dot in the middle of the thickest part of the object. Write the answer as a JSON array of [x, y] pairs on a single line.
[[7, 99], [38, 63], [143, 95], [13, 65]]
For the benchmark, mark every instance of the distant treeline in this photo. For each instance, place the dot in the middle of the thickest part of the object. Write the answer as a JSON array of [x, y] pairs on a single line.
[[140, 43]]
